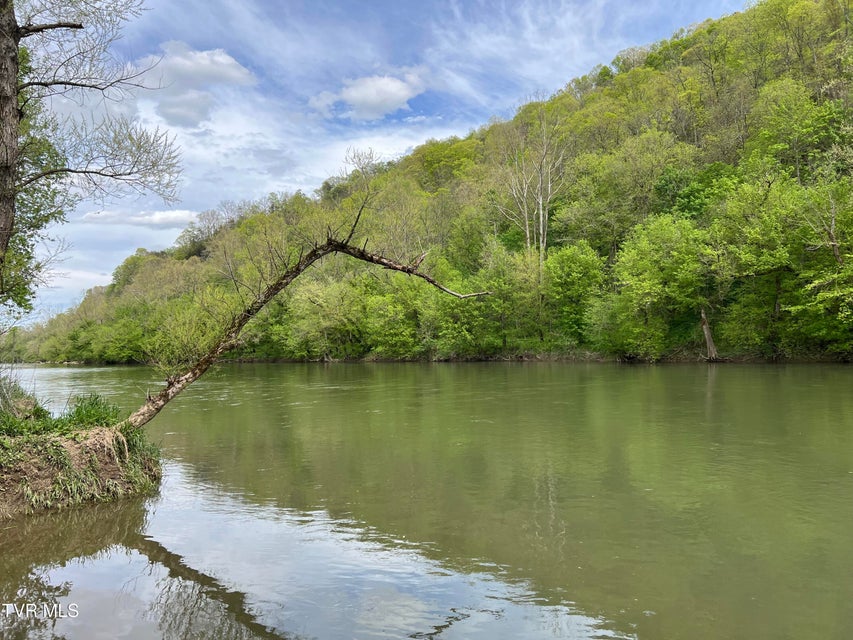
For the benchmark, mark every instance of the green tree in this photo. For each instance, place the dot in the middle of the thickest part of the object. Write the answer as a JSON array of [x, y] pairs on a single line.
[[395, 320], [574, 276], [42, 158], [791, 128], [613, 192], [758, 257], [823, 313], [438, 163], [327, 319], [663, 284]]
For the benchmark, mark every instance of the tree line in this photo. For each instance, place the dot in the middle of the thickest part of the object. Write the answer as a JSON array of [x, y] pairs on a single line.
[[691, 199]]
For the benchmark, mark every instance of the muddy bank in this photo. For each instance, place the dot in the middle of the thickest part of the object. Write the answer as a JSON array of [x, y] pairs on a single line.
[[52, 471]]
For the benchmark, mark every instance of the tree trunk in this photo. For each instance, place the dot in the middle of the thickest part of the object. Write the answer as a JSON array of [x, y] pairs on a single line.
[[713, 356], [10, 124], [231, 335], [230, 339]]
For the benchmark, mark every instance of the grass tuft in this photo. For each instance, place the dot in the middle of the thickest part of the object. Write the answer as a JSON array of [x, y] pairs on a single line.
[[85, 454], [87, 412]]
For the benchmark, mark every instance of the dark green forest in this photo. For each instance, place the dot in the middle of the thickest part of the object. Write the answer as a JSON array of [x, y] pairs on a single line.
[[692, 199]]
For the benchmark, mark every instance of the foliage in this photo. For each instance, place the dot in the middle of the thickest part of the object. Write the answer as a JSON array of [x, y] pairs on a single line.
[[38, 204], [28, 417], [575, 273], [705, 174], [662, 279]]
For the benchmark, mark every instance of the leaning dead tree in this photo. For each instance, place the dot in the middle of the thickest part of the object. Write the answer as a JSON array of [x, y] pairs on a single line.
[[230, 337], [713, 354], [279, 269]]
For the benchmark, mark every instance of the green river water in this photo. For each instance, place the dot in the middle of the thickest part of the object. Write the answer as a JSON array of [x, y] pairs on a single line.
[[482, 501]]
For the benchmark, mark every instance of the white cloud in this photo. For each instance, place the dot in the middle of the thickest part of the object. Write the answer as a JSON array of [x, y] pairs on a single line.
[[186, 109], [190, 84], [496, 58], [188, 68], [374, 97], [371, 97], [323, 102], [174, 219]]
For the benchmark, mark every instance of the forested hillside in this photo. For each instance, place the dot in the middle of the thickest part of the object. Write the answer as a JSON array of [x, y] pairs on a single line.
[[693, 189]]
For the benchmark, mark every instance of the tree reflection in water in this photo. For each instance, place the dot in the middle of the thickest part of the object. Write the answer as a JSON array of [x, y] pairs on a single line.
[[191, 604], [166, 569], [187, 604]]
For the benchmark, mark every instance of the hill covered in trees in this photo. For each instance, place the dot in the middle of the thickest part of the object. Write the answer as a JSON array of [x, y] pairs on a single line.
[[694, 197]]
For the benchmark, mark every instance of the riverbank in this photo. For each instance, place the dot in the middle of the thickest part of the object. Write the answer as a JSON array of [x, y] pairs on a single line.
[[569, 356], [51, 462], [52, 471]]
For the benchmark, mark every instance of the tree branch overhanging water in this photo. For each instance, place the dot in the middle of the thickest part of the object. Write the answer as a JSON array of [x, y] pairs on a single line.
[[230, 337]]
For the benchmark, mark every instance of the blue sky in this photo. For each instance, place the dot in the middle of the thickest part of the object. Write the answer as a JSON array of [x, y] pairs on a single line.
[[266, 96]]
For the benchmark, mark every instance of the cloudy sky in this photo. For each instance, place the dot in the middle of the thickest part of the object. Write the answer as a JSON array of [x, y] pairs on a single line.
[[268, 95]]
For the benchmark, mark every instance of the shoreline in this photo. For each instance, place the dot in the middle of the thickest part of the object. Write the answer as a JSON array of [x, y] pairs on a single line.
[[50, 471], [576, 358]]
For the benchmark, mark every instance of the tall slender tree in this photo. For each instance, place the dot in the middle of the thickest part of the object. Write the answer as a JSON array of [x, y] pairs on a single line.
[[52, 48], [533, 161]]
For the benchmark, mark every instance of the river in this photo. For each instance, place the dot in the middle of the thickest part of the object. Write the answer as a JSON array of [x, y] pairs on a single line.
[[475, 501]]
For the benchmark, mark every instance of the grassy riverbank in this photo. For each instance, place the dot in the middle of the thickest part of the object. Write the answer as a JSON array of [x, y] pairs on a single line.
[[54, 462]]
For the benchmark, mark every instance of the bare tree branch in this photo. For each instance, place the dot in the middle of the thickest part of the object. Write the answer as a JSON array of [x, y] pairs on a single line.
[[230, 337], [43, 157], [410, 269], [27, 30]]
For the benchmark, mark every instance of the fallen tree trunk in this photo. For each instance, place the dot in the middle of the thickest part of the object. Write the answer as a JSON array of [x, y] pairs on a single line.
[[713, 356], [231, 336]]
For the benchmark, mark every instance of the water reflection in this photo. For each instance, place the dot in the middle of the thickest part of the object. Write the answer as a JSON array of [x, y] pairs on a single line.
[[131, 570], [536, 501], [99, 576]]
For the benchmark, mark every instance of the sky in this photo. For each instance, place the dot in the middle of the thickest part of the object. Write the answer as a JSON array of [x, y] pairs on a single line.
[[267, 96]]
